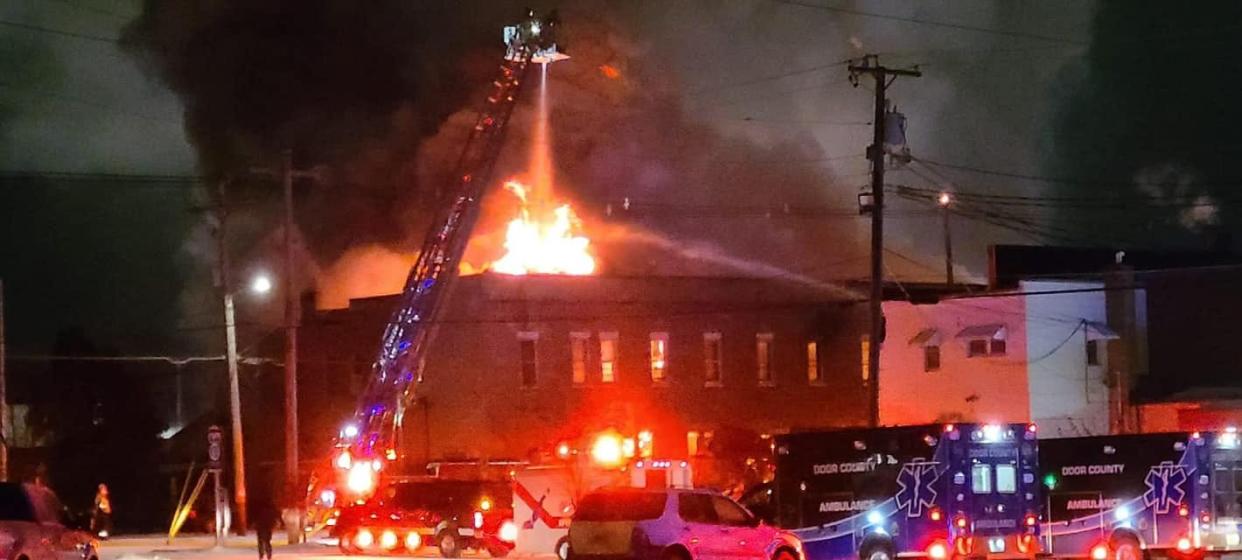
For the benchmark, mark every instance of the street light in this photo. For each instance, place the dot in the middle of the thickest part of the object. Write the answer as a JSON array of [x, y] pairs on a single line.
[[261, 284]]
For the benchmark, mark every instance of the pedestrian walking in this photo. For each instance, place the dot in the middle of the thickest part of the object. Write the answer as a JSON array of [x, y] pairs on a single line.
[[101, 520], [264, 518]]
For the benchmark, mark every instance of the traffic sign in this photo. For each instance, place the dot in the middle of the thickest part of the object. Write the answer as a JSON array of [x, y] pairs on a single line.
[[215, 448]]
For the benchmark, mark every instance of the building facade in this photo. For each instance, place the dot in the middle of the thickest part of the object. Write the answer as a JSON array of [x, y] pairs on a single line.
[[520, 363], [1043, 352]]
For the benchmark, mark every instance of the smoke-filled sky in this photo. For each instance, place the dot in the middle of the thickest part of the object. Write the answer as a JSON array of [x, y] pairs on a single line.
[[710, 116]]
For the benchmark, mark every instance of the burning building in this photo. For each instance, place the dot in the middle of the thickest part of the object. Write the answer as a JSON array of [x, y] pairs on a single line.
[[521, 362]]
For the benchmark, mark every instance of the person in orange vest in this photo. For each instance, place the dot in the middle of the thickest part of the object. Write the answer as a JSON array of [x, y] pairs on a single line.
[[101, 523]]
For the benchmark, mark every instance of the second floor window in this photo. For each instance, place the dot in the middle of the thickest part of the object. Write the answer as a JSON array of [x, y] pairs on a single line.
[[812, 363], [711, 359], [607, 357], [529, 361], [931, 358], [659, 357], [578, 356], [763, 358]]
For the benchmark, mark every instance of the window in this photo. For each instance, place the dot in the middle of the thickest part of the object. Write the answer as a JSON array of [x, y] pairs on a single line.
[[812, 363], [1006, 479], [864, 346], [978, 347], [696, 508], [711, 359], [763, 359], [981, 479], [529, 363], [607, 357], [659, 357], [984, 340], [931, 358], [729, 513], [1093, 352], [578, 352], [692, 444], [621, 505], [998, 347]]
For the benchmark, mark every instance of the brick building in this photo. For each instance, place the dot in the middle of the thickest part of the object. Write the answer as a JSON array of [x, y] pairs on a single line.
[[519, 363]]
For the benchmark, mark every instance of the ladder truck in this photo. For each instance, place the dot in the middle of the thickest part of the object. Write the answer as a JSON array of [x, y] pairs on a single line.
[[368, 442]]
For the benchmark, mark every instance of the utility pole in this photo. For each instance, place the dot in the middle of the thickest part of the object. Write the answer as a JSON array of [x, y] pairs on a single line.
[[944, 201], [870, 65], [230, 337], [4, 397], [292, 317]]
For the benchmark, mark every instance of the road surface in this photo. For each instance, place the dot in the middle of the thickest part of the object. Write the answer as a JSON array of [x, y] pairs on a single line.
[[199, 547]]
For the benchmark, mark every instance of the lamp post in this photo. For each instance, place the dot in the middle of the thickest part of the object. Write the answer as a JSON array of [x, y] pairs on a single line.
[[260, 285], [944, 200]]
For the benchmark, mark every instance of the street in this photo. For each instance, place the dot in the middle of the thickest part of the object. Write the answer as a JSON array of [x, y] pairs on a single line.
[[153, 547]]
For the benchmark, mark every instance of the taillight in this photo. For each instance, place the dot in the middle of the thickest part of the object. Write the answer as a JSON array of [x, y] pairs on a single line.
[[1183, 544], [961, 522], [364, 538], [1099, 552], [1024, 543], [1183, 510], [508, 531], [478, 520], [388, 540], [937, 551], [963, 545], [935, 515], [1205, 517], [1031, 521]]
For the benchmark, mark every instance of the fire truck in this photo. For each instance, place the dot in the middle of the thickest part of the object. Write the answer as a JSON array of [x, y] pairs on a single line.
[[1127, 497], [366, 448], [934, 491], [546, 494]]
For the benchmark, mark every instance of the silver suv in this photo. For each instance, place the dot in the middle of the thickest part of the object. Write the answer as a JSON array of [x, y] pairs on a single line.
[[672, 524]]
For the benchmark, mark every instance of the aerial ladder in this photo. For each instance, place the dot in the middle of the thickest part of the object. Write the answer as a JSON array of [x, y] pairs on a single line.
[[370, 440]]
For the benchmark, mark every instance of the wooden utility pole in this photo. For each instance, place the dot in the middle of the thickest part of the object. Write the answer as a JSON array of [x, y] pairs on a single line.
[[944, 200], [870, 65], [230, 339], [292, 317]]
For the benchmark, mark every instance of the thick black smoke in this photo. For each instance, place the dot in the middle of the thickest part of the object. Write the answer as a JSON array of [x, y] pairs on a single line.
[[1152, 119]]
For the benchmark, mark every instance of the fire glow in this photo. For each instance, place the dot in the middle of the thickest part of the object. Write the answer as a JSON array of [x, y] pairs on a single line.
[[549, 246]]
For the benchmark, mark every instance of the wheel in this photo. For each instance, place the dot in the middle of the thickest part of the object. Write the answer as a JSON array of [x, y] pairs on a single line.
[[346, 545], [497, 551], [1125, 547], [562, 549], [675, 554], [875, 552], [449, 543], [784, 554]]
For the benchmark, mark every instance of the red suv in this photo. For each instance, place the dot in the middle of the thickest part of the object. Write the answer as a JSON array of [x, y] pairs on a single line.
[[452, 515]]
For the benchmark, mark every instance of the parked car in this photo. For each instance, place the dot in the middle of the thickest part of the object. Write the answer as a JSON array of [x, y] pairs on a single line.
[[34, 526], [453, 515], [673, 524]]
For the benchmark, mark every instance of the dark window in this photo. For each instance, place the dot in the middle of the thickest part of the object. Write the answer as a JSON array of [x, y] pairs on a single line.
[[1093, 353], [711, 358], [729, 513], [998, 347], [529, 364], [14, 504], [977, 347], [931, 358], [696, 508], [621, 506]]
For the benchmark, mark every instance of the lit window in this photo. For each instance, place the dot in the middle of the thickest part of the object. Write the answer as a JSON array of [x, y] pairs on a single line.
[[931, 358], [763, 358], [1093, 352], [529, 364], [864, 347], [981, 479], [692, 444], [1006, 479], [608, 357], [711, 359], [659, 357], [578, 353], [812, 362]]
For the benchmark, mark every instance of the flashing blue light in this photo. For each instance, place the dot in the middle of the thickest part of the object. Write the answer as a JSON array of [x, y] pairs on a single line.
[[1122, 513], [875, 518]]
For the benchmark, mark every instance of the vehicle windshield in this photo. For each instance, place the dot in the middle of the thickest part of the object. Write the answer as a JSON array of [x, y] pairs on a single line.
[[14, 504], [621, 506]]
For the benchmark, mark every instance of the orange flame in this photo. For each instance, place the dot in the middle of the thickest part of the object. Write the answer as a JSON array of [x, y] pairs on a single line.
[[549, 247]]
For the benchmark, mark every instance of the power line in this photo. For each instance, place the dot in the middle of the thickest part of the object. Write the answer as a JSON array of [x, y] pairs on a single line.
[[1040, 178], [931, 23], [762, 79], [60, 32]]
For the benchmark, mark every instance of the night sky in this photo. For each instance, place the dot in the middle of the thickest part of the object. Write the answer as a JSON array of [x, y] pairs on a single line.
[[713, 104]]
